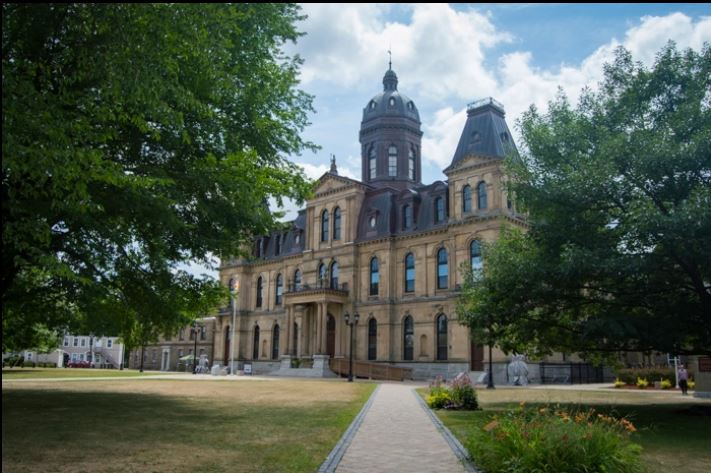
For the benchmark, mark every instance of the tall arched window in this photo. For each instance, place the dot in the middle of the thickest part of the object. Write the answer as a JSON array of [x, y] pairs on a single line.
[[334, 275], [374, 276], [475, 257], [275, 342], [322, 274], [442, 337], [279, 289], [260, 291], [411, 164], [439, 210], [324, 225], [481, 194], [372, 339], [372, 169], [442, 269], [392, 161], [407, 216], [467, 199], [337, 223], [297, 280], [408, 338], [409, 273], [255, 343]]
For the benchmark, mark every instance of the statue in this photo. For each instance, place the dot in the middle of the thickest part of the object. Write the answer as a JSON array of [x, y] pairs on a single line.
[[518, 371]]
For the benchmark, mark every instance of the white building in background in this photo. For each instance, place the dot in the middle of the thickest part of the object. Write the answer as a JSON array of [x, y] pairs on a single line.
[[103, 352]]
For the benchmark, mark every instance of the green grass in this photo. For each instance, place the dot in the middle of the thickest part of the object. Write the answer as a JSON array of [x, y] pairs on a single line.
[[176, 426], [675, 436], [43, 373]]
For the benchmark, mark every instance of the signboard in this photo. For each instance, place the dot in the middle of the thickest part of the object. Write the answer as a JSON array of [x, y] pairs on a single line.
[[705, 364], [248, 368]]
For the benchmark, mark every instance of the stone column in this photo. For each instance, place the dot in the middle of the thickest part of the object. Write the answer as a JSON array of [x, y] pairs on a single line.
[[324, 327], [289, 328], [319, 329]]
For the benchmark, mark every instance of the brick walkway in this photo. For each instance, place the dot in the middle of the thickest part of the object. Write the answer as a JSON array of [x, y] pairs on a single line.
[[398, 436]]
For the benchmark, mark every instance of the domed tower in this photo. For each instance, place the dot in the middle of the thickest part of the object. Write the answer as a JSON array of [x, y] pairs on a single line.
[[390, 138]]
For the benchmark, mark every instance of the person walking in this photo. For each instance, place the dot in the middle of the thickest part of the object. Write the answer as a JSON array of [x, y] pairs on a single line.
[[683, 379]]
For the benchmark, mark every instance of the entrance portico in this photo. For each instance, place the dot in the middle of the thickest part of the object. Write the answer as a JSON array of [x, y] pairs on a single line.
[[315, 315]]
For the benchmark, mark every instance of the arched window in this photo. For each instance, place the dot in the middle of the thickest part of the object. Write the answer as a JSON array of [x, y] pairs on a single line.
[[409, 273], [324, 226], [481, 194], [408, 338], [372, 162], [279, 289], [255, 343], [372, 339], [275, 342], [475, 257], [439, 210], [442, 337], [407, 216], [337, 223], [411, 164], [260, 291], [467, 199], [321, 274], [334, 275], [374, 276], [297, 280], [392, 161], [442, 269]]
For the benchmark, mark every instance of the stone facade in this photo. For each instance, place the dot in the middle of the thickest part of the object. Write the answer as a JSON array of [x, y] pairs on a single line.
[[389, 248], [165, 354]]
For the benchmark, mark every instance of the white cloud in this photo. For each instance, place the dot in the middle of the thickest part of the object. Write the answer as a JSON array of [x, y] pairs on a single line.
[[442, 135]]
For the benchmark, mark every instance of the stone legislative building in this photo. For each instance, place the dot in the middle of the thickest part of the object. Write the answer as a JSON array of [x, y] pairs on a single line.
[[388, 247]]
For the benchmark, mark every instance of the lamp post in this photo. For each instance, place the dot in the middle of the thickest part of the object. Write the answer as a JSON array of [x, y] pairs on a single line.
[[234, 293], [351, 322], [195, 335], [490, 381]]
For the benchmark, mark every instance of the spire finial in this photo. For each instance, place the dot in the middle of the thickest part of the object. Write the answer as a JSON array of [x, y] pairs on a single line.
[[334, 169], [390, 61]]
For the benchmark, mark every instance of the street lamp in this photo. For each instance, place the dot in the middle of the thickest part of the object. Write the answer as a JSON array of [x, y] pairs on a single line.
[[234, 294], [490, 383], [351, 322], [195, 335]]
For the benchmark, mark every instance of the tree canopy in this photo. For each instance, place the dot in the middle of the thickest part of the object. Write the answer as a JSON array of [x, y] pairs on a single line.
[[136, 137], [617, 191]]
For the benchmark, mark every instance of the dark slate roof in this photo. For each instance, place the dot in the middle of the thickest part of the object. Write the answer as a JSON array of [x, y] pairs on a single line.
[[485, 132], [288, 239], [379, 106], [387, 204]]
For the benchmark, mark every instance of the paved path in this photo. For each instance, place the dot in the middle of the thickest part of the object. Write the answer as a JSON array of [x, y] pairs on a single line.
[[398, 436]]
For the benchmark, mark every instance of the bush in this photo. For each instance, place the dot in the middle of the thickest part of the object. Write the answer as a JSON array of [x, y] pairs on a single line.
[[691, 384], [642, 383], [630, 375], [546, 440], [459, 394], [619, 383], [666, 384]]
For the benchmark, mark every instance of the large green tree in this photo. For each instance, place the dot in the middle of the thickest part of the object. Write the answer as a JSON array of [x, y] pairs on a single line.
[[137, 137], [618, 195]]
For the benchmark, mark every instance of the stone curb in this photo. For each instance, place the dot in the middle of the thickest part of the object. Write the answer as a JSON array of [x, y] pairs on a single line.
[[459, 451], [334, 458]]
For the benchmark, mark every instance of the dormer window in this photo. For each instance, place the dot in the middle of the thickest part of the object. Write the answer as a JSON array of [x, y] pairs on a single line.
[[372, 105], [410, 106], [277, 245], [373, 221], [476, 137], [297, 238], [504, 137], [391, 102], [407, 216]]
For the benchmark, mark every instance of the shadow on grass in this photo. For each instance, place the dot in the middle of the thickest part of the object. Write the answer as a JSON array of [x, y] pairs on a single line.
[[72, 430]]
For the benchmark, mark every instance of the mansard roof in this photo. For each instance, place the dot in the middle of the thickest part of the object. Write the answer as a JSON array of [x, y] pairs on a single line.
[[485, 133]]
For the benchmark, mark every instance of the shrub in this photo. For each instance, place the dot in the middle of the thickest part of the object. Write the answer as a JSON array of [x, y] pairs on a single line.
[[642, 383], [548, 440], [28, 364], [630, 375], [691, 384], [666, 384], [619, 384], [459, 394]]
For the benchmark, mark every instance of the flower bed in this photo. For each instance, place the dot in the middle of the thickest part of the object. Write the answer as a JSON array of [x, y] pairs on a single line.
[[458, 394], [553, 440]]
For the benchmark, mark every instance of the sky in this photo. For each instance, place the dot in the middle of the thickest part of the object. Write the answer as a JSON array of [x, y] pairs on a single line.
[[447, 56]]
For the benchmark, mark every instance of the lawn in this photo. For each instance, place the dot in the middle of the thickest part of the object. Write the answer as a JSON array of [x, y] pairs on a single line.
[[42, 373], [147, 425], [674, 433]]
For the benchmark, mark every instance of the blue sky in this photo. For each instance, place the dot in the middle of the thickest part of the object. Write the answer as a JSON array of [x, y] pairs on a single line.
[[449, 55]]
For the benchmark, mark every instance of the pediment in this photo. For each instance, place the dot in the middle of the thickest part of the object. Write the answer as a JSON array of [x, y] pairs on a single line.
[[331, 183], [472, 160]]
